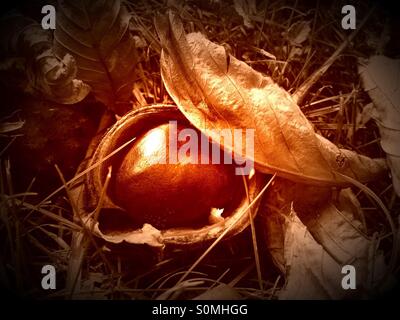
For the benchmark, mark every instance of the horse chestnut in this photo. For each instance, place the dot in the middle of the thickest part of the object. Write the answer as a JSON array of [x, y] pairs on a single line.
[[153, 189]]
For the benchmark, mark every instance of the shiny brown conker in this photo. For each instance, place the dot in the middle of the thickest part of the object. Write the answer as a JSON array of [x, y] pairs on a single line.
[[153, 189]]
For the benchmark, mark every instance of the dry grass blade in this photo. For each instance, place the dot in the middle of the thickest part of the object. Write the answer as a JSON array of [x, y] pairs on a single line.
[[3, 151], [79, 244], [96, 212], [254, 237], [49, 214], [216, 241], [164, 279], [84, 172], [274, 288], [301, 92]]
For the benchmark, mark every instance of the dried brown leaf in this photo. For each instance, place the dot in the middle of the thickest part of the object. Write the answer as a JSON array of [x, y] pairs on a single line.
[[343, 236], [214, 90], [311, 273], [315, 252], [97, 34], [31, 59], [381, 80], [364, 116], [246, 8], [299, 32]]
